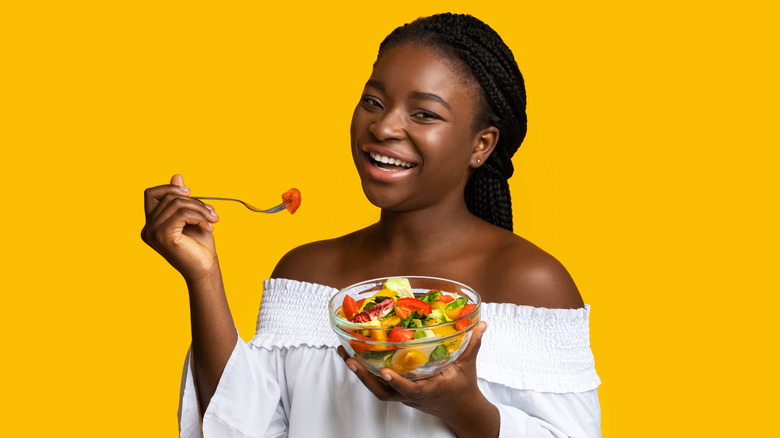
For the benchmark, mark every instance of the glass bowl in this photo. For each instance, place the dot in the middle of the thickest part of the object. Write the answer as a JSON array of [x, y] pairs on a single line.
[[414, 352]]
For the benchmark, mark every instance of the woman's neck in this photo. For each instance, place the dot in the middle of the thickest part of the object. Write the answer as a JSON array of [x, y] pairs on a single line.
[[422, 229]]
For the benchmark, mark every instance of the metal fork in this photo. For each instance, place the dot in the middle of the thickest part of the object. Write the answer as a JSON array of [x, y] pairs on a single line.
[[276, 209]]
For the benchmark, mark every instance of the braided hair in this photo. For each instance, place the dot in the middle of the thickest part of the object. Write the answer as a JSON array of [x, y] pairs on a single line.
[[480, 49]]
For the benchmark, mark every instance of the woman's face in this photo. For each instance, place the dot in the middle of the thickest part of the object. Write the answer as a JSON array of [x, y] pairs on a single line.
[[412, 133]]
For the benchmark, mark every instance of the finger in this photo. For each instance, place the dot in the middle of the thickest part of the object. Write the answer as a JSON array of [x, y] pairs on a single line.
[[173, 227], [377, 386], [344, 355], [177, 180], [407, 388], [153, 195], [470, 353], [170, 205]]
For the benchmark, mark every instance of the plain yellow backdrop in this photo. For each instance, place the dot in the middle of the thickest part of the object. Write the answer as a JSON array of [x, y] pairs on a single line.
[[649, 170]]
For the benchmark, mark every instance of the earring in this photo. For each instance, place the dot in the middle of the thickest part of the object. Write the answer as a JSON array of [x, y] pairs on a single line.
[[479, 161]]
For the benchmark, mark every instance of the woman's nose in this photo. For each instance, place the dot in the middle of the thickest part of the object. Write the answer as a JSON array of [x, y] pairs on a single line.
[[390, 126]]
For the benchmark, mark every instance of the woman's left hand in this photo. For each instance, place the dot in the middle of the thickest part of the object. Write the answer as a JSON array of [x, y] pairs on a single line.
[[452, 395]]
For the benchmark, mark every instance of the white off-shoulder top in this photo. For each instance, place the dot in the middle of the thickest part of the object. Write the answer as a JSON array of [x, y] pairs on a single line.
[[534, 364]]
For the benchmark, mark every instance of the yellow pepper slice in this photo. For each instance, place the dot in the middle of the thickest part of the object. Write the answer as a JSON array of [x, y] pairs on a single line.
[[453, 313], [408, 360], [384, 292], [391, 321]]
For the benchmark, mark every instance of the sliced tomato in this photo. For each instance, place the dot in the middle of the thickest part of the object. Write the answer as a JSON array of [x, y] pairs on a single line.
[[292, 199], [446, 298], [414, 304], [402, 312], [350, 309], [359, 304], [463, 323], [400, 335]]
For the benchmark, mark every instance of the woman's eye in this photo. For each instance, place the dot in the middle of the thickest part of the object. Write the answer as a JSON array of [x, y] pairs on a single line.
[[368, 100], [426, 115]]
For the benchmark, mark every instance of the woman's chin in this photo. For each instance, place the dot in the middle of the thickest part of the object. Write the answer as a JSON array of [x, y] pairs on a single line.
[[382, 198]]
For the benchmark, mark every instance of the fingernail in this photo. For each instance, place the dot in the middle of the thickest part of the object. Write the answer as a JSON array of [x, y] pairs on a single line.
[[214, 213], [184, 189], [352, 368], [387, 377], [210, 207]]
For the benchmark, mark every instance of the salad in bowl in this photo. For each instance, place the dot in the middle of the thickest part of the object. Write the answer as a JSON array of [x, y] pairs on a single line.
[[416, 326]]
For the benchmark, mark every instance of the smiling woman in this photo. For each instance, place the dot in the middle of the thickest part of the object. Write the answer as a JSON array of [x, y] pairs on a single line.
[[432, 139], [414, 110]]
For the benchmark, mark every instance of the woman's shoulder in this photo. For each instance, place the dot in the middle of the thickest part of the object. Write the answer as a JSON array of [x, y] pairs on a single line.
[[317, 262], [519, 272]]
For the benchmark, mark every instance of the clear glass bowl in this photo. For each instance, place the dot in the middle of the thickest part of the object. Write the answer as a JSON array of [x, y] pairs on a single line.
[[438, 345]]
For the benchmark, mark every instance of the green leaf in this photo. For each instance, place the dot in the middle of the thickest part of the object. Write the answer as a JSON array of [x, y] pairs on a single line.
[[431, 296], [457, 303], [440, 352]]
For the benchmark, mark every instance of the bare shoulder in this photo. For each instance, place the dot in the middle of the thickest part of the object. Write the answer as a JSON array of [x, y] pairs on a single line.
[[317, 262], [524, 274]]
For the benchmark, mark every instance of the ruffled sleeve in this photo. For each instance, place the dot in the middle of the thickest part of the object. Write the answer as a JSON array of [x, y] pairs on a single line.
[[245, 404], [544, 350]]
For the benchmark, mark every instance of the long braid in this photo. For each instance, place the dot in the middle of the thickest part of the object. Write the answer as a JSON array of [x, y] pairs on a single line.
[[492, 64]]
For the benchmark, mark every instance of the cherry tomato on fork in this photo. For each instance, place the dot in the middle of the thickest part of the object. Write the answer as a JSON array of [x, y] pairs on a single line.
[[292, 198]]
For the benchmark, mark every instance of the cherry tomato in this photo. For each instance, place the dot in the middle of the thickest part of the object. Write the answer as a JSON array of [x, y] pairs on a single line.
[[292, 199]]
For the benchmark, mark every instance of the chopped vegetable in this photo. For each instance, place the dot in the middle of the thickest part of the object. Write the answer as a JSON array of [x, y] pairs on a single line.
[[385, 292], [446, 299], [400, 285], [457, 303], [400, 335], [390, 321], [414, 304], [431, 296], [408, 360], [350, 310], [292, 199], [439, 353], [463, 323]]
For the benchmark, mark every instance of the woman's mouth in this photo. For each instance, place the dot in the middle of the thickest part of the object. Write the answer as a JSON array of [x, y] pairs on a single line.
[[389, 164]]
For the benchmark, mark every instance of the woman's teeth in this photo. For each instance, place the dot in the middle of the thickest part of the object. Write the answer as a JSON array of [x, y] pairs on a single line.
[[389, 160]]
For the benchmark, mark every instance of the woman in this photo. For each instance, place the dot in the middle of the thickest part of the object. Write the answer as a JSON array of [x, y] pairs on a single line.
[[432, 139]]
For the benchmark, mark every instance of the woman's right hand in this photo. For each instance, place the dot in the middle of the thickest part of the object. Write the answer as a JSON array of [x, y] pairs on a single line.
[[180, 229]]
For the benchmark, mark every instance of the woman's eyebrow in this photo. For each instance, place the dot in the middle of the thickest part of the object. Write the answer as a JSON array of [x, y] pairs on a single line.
[[413, 95], [376, 84], [430, 96]]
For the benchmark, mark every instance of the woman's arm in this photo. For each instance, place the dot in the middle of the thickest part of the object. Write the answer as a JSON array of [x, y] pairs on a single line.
[[180, 229]]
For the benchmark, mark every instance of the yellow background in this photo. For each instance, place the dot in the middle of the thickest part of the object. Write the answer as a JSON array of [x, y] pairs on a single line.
[[650, 171]]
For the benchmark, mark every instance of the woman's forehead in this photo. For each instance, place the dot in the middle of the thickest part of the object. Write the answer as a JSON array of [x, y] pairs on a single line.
[[422, 68]]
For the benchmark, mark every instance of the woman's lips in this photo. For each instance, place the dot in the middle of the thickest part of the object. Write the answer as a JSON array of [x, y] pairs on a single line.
[[385, 168], [378, 158]]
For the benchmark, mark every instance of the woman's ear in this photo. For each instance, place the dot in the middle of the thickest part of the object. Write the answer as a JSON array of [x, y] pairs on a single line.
[[484, 143]]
